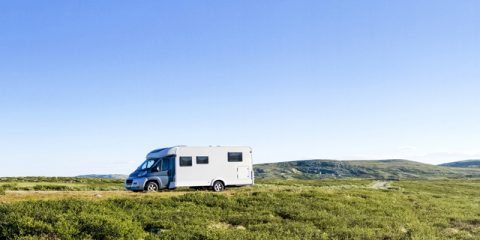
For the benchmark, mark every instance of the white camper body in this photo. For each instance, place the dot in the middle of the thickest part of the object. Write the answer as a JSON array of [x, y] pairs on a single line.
[[184, 166]]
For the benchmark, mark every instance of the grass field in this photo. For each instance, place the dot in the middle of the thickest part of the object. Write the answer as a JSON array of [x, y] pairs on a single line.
[[60, 184], [280, 209]]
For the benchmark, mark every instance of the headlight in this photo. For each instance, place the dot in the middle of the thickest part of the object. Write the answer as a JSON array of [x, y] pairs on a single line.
[[142, 173]]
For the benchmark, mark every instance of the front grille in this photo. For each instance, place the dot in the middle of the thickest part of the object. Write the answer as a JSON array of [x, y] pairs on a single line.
[[129, 181]]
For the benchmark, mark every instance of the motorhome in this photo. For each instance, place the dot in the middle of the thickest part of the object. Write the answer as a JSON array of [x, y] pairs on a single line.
[[215, 167]]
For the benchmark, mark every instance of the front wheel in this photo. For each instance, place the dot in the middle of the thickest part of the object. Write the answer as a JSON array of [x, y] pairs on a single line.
[[152, 187], [218, 186]]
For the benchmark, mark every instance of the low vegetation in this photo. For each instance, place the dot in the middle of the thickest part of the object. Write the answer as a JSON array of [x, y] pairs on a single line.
[[272, 209]]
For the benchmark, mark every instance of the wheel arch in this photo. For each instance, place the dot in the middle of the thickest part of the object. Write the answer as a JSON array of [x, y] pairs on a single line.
[[158, 181], [218, 179]]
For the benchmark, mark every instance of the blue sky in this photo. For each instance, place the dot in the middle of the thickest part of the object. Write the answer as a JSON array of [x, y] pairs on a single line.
[[92, 86]]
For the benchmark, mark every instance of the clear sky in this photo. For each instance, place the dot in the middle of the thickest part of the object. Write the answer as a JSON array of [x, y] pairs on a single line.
[[92, 86]]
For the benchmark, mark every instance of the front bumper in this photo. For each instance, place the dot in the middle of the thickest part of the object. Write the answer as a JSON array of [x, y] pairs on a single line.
[[135, 184]]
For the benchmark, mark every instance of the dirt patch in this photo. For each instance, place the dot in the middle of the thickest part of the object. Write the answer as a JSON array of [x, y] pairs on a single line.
[[224, 225], [380, 185]]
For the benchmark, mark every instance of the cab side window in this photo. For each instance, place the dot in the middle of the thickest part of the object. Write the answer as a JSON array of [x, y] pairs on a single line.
[[165, 164], [157, 166]]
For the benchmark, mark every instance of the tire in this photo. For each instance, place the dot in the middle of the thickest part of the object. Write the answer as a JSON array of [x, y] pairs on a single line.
[[151, 187], [218, 186]]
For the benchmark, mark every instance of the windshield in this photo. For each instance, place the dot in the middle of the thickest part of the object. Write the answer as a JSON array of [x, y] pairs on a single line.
[[147, 164]]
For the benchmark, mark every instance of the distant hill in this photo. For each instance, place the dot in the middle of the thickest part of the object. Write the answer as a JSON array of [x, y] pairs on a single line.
[[463, 164], [108, 176], [374, 169]]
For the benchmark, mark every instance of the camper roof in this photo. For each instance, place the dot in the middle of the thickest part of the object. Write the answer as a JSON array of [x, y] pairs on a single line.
[[162, 152]]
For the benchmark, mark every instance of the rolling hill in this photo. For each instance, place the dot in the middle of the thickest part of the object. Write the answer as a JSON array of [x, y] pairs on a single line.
[[373, 169], [463, 164]]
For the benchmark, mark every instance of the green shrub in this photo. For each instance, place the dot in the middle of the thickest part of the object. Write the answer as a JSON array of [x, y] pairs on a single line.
[[53, 188], [67, 219], [9, 186]]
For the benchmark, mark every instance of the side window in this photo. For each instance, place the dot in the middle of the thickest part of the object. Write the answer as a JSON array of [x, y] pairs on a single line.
[[235, 157], [157, 166], [185, 161], [165, 164], [202, 160]]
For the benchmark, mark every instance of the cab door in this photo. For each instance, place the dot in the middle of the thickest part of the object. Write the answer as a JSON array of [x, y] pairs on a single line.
[[167, 170]]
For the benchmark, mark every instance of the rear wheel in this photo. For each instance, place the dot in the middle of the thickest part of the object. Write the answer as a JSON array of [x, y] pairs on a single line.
[[218, 186], [152, 187]]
